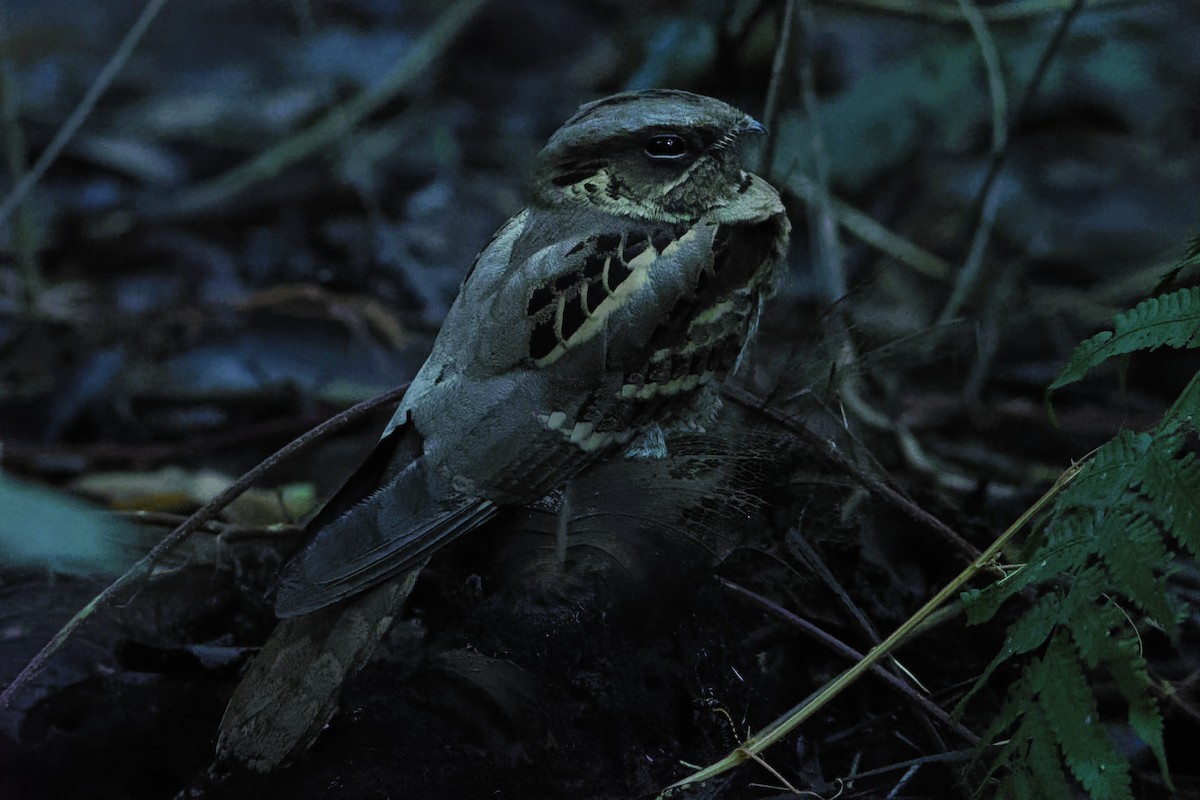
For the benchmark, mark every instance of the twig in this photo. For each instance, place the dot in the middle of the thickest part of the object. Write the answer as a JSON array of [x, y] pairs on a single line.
[[973, 265], [985, 204], [789, 721], [142, 569], [338, 121], [872, 483], [741, 16], [995, 75], [762, 762], [873, 233], [782, 48], [848, 652], [1016, 11], [826, 243], [908, 775], [224, 530], [809, 553], [15, 155], [81, 112], [936, 758]]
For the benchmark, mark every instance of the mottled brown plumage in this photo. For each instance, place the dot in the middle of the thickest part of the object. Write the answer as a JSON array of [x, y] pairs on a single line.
[[601, 317], [606, 313]]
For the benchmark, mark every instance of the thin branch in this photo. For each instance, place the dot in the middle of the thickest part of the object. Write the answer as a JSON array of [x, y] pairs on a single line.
[[140, 571], [973, 265], [1014, 11], [826, 242], [868, 230], [995, 75], [16, 155], [986, 202], [846, 651], [782, 49], [950, 757], [872, 483], [226, 531], [57, 458], [972, 269], [339, 121], [81, 112], [805, 710], [809, 553]]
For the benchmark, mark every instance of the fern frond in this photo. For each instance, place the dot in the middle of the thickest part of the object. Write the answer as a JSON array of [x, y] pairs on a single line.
[[1043, 759], [1107, 637], [1102, 551], [1109, 641], [1109, 633], [1025, 635], [1031, 761], [1014, 710], [1169, 320], [1071, 710], [1105, 480], [1186, 408], [1135, 556], [1103, 544], [1067, 551], [1172, 484], [1133, 682]]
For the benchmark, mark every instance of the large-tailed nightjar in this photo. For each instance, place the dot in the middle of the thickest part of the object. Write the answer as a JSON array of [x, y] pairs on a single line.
[[597, 320]]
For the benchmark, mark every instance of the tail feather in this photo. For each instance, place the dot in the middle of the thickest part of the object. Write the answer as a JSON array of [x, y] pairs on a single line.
[[362, 539]]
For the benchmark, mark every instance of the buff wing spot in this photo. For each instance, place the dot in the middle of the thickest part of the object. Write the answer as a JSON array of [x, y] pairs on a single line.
[[570, 309]]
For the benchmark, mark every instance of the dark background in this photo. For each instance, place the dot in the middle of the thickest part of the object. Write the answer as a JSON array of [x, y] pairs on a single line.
[[168, 319]]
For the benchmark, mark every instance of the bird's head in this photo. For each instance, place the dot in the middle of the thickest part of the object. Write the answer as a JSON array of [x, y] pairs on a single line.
[[660, 154]]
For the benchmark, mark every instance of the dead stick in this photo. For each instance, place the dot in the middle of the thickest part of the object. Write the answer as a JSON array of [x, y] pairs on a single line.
[[142, 569]]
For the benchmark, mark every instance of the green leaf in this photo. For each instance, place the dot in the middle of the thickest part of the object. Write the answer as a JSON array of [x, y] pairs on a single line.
[[1192, 257], [1018, 785], [1016, 703], [1130, 676], [1104, 481], [1103, 544], [1071, 710], [1043, 758], [1032, 759], [44, 529], [1100, 627], [1173, 485], [1133, 551], [1044, 564], [1110, 637], [1170, 320], [1025, 635], [1186, 408]]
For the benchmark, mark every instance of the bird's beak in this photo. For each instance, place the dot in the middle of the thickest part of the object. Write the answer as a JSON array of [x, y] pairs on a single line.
[[751, 125]]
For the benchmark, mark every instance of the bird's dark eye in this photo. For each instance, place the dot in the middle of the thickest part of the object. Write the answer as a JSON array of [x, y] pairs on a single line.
[[666, 146]]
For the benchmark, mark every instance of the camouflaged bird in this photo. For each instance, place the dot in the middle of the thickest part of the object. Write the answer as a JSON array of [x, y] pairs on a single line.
[[608, 311]]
